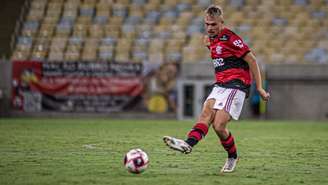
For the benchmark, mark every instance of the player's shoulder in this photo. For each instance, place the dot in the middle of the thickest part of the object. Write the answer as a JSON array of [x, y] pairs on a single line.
[[233, 39], [230, 32], [227, 35]]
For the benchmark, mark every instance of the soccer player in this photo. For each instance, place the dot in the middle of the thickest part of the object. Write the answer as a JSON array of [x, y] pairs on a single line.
[[233, 62]]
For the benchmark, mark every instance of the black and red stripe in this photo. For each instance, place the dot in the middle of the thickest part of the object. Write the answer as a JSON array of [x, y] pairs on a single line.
[[227, 52], [197, 133], [234, 75], [230, 146]]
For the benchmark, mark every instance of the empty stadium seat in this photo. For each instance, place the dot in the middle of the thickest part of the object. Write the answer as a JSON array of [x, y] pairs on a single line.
[[147, 30]]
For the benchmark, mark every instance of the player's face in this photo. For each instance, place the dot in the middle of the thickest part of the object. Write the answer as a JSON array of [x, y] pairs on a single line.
[[213, 25]]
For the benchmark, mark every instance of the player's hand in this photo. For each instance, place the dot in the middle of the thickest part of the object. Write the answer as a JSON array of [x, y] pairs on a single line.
[[264, 95], [206, 41]]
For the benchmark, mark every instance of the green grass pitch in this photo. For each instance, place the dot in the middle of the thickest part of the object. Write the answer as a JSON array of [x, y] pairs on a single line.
[[90, 151]]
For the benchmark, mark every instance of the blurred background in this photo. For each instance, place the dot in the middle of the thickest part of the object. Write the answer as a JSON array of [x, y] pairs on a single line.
[[146, 58]]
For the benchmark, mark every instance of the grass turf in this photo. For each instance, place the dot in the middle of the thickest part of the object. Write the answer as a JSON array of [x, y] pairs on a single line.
[[90, 151]]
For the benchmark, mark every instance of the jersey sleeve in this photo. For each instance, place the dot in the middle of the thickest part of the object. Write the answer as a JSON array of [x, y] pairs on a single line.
[[239, 47]]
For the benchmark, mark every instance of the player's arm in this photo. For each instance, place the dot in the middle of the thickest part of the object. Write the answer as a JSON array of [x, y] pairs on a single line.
[[255, 70]]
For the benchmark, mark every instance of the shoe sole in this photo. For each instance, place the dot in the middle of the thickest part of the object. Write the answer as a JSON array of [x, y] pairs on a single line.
[[167, 140], [222, 171]]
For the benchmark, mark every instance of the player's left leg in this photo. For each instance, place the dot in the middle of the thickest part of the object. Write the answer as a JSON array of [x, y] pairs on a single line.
[[220, 123], [231, 106]]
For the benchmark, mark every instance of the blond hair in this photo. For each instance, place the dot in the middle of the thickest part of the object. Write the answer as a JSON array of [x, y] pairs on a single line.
[[214, 11]]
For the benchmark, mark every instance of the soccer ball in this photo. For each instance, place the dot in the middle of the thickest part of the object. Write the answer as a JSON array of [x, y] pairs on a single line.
[[136, 161]]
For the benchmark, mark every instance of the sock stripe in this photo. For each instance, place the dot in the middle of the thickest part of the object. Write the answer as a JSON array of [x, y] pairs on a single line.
[[232, 149], [199, 131], [229, 145], [227, 141], [202, 127], [195, 134]]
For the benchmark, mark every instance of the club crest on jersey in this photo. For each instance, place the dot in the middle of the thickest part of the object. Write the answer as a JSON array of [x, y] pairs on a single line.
[[218, 50], [224, 38]]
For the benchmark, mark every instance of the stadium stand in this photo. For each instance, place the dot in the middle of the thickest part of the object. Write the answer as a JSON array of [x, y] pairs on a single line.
[[280, 31], [8, 26]]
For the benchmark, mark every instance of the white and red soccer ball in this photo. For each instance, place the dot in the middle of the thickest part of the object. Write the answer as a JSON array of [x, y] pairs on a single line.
[[136, 161]]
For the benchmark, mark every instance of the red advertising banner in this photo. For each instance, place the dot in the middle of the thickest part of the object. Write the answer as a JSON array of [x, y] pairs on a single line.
[[75, 86]]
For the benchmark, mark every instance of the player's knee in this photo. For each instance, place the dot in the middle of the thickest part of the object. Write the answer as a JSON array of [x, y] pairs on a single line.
[[205, 113], [206, 116], [219, 128]]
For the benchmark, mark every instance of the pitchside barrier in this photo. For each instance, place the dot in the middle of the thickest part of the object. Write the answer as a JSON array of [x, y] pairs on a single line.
[[75, 86], [298, 91]]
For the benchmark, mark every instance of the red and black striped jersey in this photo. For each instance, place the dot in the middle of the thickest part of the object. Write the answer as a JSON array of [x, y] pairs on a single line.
[[227, 52]]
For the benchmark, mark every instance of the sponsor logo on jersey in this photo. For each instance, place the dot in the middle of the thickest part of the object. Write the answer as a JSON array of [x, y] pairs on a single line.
[[218, 62]]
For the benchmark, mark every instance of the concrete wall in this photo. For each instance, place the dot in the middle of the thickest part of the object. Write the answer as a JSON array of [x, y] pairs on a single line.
[[298, 92], [5, 87]]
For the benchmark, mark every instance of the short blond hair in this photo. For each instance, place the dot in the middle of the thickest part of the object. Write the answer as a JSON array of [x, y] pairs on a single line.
[[214, 11]]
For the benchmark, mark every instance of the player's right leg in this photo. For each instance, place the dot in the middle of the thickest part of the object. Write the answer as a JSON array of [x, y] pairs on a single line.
[[197, 133]]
